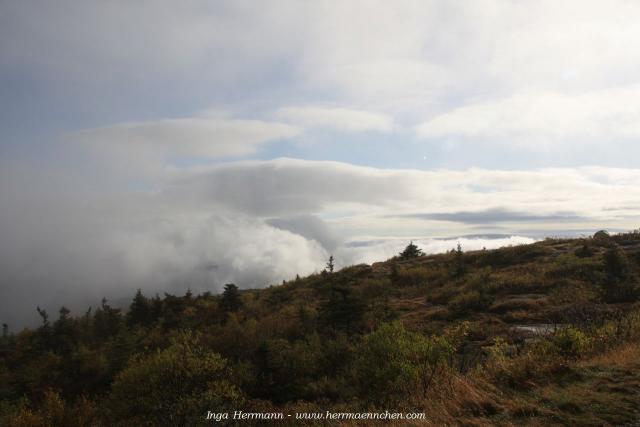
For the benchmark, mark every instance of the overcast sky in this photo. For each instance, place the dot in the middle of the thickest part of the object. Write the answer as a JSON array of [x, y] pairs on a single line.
[[172, 145]]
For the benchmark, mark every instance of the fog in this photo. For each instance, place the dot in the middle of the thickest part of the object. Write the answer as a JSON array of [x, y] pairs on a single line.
[[68, 240]]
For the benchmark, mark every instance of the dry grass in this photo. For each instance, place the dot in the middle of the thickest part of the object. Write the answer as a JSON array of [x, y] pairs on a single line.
[[624, 356], [602, 390]]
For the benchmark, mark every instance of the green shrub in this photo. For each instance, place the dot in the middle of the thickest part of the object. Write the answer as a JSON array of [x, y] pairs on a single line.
[[392, 363], [584, 251], [175, 386], [570, 342], [417, 276], [52, 411], [384, 368], [569, 266], [498, 354], [513, 255], [287, 368], [619, 284], [470, 301]]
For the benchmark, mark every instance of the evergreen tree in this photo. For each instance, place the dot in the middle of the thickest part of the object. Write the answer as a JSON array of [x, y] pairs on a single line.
[[139, 310], [85, 325], [172, 308], [330, 265], [155, 308], [44, 331], [64, 322], [63, 330], [411, 251], [616, 266], [458, 267], [107, 320], [230, 300], [619, 284], [45, 317]]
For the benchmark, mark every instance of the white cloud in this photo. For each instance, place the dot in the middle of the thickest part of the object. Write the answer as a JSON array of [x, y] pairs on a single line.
[[339, 190], [204, 253], [258, 222], [414, 55], [310, 227], [290, 186], [85, 248], [430, 55], [540, 119], [343, 119], [206, 136], [134, 44], [471, 66]]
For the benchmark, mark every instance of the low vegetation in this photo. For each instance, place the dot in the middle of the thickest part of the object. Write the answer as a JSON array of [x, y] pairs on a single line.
[[539, 334]]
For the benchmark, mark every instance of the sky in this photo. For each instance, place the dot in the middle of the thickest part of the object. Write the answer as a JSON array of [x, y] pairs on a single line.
[[170, 145]]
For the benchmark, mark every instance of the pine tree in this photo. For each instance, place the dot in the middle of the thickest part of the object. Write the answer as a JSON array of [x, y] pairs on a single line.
[[155, 308], [139, 310], [330, 265], [107, 320], [63, 330], [230, 300], [64, 320], [458, 267], [616, 266], [411, 251], [45, 317], [44, 331], [619, 285]]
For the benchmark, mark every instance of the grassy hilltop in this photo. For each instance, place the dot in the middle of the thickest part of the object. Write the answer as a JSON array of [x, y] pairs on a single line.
[[540, 334]]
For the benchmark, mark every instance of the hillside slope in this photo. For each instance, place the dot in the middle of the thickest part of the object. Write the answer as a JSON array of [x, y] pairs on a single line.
[[542, 334]]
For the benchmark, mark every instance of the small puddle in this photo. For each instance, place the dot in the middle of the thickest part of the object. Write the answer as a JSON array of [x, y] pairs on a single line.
[[539, 329]]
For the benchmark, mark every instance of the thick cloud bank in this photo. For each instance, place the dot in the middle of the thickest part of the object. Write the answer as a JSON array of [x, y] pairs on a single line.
[[256, 223]]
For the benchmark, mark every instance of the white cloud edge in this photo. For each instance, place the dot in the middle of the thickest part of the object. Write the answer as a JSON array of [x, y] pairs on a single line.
[[338, 118], [543, 118], [208, 136]]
